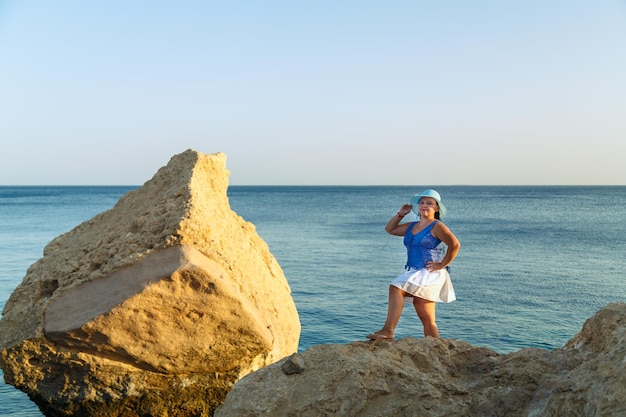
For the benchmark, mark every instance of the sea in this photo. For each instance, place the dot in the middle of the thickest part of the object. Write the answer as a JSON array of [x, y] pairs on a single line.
[[535, 261]]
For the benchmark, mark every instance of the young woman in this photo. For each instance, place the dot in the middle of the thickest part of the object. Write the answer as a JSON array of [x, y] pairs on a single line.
[[426, 279]]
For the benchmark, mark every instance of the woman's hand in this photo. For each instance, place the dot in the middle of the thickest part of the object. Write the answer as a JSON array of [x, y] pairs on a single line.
[[434, 266], [394, 227], [404, 210]]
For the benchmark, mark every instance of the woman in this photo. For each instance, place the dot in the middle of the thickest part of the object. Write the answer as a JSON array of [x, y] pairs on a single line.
[[426, 279]]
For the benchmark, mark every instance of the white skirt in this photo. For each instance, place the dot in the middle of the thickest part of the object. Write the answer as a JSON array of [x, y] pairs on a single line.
[[432, 286]]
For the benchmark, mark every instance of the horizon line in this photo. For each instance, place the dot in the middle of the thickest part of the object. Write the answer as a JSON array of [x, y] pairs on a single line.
[[332, 185]]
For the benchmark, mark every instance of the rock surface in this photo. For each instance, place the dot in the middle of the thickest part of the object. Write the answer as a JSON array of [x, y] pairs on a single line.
[[155, 307], [439, 377]]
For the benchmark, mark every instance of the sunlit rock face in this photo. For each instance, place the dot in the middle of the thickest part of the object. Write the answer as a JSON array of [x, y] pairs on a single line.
[[445, 378], [155, 307]]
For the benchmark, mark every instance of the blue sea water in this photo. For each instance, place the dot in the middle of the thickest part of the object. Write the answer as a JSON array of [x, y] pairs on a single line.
[[535, 262]]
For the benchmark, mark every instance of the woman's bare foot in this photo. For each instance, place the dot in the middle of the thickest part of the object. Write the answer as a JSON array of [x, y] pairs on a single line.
[[379, 336]]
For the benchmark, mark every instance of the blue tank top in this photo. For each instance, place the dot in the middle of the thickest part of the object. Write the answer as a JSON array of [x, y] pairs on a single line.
[[422, 247]]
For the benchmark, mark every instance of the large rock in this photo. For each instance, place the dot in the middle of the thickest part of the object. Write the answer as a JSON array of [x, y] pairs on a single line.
[[155, 307], [439, 377]]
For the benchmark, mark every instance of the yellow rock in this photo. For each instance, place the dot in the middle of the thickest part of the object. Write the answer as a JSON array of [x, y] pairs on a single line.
[[169, 288]]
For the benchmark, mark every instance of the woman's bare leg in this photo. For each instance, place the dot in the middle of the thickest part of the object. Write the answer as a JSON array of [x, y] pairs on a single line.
[[394, 311], [426, 312]]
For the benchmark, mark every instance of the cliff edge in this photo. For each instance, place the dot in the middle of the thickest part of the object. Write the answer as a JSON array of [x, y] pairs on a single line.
[[445, 378]]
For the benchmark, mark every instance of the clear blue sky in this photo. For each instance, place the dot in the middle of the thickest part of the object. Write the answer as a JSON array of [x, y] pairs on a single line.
[[315, 92]]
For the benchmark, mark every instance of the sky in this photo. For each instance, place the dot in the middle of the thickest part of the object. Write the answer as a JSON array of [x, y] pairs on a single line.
[[315, 92]]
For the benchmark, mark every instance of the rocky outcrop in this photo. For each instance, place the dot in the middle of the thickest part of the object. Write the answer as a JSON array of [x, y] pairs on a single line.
[[439, 377], [155, 307]]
